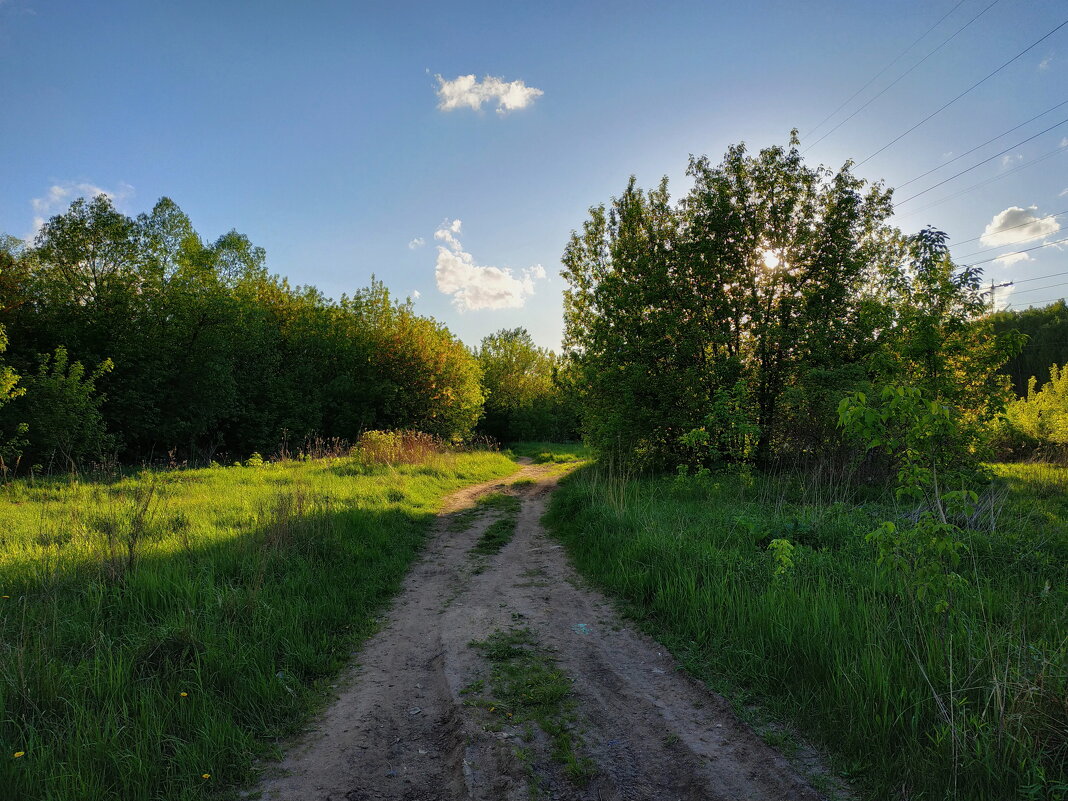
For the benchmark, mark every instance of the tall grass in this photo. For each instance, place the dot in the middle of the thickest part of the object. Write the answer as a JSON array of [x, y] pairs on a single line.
[[916, 703], [158, 633]]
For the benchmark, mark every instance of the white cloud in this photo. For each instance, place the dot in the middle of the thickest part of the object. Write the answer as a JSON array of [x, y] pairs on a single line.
[[1043, 65], [473, 286], [1010, 259], [1010, 159], [1064, 142], [1015, 225], [416, 294], [418, 242], [59, 196], [1064, 192], [466, 91]]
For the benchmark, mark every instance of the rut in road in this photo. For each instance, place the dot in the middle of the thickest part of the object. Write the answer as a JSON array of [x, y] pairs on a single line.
[[405, 726]]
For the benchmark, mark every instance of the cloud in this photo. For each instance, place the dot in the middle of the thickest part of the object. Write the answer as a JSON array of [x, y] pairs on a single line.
[[466, 91], [59, 196], [1015, 225], [473, 286], [418, 242], [1064, 142], [1010, 259], [1010, 159], [416, 294], [1063, 192], [1043, 65]]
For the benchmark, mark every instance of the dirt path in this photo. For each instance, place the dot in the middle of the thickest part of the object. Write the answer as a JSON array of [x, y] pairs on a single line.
[[401, 729]]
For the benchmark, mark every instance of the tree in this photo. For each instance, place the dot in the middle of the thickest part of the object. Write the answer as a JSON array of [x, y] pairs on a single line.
[[523, 399], [729, 325], [756, 276], [62, 410]]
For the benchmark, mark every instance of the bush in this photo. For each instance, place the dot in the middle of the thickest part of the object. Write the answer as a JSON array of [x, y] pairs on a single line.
[[61, 408]]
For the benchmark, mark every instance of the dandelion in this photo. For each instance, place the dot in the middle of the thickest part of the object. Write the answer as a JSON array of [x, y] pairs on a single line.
[[205, 775], [184, 695], [18, 754]]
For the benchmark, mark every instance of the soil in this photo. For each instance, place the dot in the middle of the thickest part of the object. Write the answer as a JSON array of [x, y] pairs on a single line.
[[400, 728]]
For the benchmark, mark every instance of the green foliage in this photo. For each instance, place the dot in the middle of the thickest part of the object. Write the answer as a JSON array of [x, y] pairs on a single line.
[[61, 410], [211, 353], [171, 624], [932, 454], [11, 445], [726, 326], [1046, 331], [911, 701], [1038, 423], [524, 399]]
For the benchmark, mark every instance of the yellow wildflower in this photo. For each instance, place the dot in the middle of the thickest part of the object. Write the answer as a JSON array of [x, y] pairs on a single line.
[[19, 754], [205, 775], [184, 695]]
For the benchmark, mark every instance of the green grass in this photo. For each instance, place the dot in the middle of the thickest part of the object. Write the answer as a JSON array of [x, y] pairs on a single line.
[[500, 532], [170, 625], [526, 687], [912, 703], [552, 452]]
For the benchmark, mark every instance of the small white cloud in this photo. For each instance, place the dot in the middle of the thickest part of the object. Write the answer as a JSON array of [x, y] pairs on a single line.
[[1010, 259], [416, 243], [1063, 192], [1064, 142], [1015, 225], [474, 286], [466, 91], [1043, 65], [1010, 159], [416, 294], [61, 195], [947, 155]]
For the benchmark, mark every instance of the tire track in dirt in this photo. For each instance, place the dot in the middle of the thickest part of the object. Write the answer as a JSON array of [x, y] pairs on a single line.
[[400, 728]]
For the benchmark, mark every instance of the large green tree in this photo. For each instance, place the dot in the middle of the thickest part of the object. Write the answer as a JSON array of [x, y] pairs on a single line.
[[730, 324]]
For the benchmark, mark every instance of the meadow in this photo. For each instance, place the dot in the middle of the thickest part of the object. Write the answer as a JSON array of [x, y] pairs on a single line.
[[912, 700], [161, 631]]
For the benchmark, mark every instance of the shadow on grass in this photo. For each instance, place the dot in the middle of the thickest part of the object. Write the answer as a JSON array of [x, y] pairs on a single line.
[[168, 676]]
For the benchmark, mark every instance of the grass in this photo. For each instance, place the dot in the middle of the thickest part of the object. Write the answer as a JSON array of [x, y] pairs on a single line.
[[500, 532], [552, 452], [169, 626], [526, 687], [914, 703]]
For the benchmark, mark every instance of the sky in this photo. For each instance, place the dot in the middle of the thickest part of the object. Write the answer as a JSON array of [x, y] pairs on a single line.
[[449, 149]]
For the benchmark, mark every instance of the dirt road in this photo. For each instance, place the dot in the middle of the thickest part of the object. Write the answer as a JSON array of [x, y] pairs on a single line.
[[411, 721]]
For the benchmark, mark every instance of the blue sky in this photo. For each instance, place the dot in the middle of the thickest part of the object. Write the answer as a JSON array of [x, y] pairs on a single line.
[[316, 128]]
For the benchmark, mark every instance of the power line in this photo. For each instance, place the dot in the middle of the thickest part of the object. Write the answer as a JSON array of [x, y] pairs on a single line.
[[981, 184], [1011, 227], [1025, 250], [899, 77], [975, 85], [981, 163], [980, 147], [1028, 280], [1005, 244], [1040, 288]]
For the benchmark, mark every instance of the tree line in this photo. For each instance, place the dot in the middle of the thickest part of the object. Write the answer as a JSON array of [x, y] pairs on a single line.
[[729, 324], [136, 339]]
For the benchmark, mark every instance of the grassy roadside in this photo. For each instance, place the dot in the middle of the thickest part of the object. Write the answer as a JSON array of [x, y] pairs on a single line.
[[159, 632], [915, 703], [551, 452]]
